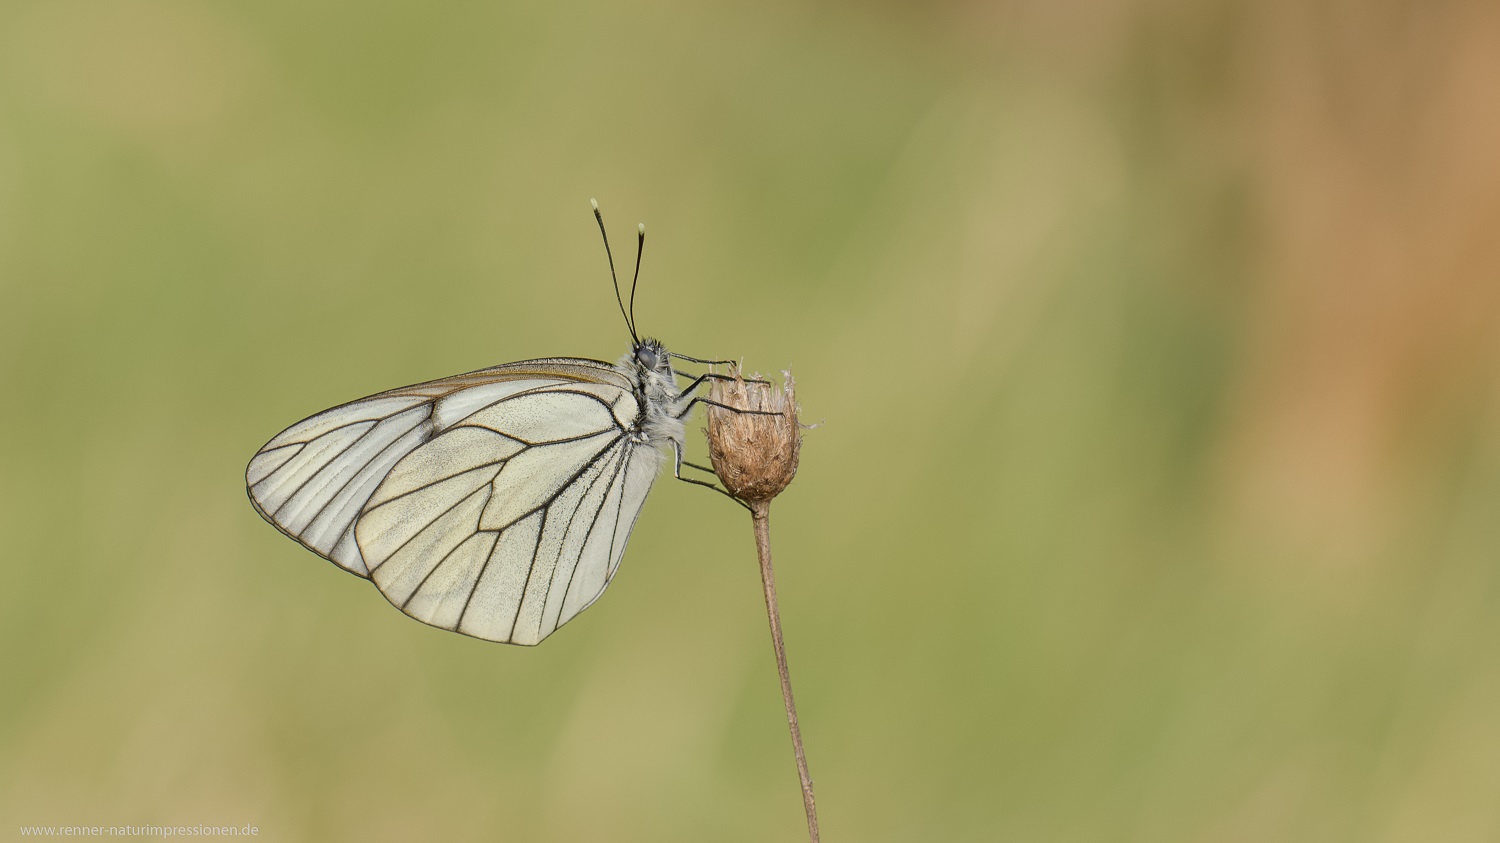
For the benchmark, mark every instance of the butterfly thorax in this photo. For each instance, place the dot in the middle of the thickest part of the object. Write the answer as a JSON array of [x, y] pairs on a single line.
[[648, 366]]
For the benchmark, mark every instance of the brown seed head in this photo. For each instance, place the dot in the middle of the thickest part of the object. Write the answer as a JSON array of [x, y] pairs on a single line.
[[754, 455]]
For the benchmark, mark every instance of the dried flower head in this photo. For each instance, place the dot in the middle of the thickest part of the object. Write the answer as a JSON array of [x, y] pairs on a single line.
[[754, 454]]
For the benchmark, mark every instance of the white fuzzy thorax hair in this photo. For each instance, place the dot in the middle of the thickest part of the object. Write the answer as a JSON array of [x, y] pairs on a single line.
[[648, 367]]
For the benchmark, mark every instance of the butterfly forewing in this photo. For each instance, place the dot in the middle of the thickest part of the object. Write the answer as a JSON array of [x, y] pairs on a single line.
[[496, 503]]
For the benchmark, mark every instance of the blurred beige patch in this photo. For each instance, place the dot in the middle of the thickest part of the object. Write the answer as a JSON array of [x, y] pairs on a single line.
[[1377, 307], [13, 315], [1048, 161], [637, 724], [1445, 787], [127, 737], [150, 70]]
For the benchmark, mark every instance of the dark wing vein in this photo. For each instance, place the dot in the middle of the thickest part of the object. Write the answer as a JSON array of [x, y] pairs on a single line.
[[609, 561], [376, 419], [319, 470], [436, 518], [580, 437], [446, 556], [535, 548], [548, 500], [429, 485], [329, 465], [543, 505], [550, 389], [355, 476], [593, 522], [552, 581]]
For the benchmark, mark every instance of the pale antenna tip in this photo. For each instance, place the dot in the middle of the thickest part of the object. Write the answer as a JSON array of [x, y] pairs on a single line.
[[595, 203], [643, 228]]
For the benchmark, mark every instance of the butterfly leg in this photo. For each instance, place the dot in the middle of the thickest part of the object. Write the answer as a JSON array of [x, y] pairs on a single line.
[[705, 362], [677, 472], [712, 403], [698, 381]]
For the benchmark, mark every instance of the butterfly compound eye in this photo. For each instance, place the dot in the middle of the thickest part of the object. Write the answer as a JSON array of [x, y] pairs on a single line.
[[647, 356]]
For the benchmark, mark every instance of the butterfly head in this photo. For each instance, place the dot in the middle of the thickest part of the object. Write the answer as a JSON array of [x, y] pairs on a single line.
[[652, 356]]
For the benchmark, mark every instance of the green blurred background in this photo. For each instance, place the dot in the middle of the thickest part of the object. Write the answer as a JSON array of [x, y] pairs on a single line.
[[1154, 346]]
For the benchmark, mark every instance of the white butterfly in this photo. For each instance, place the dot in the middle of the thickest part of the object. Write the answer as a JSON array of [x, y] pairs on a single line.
[[496, 503]]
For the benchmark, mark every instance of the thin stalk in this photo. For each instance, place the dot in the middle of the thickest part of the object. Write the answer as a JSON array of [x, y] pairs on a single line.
[[760, 513]]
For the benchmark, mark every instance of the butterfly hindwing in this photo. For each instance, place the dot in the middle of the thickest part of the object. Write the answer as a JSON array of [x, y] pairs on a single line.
[[512, 521]]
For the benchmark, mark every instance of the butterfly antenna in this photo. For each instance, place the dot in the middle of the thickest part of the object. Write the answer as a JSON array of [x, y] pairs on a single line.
[[598, 217], [640, 246]]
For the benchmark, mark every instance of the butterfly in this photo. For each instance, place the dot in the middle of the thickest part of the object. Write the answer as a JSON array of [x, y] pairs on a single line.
[[496, 503]]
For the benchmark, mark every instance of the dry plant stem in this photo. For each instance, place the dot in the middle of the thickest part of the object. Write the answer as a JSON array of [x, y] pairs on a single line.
[[760, 513], [754, 442]]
